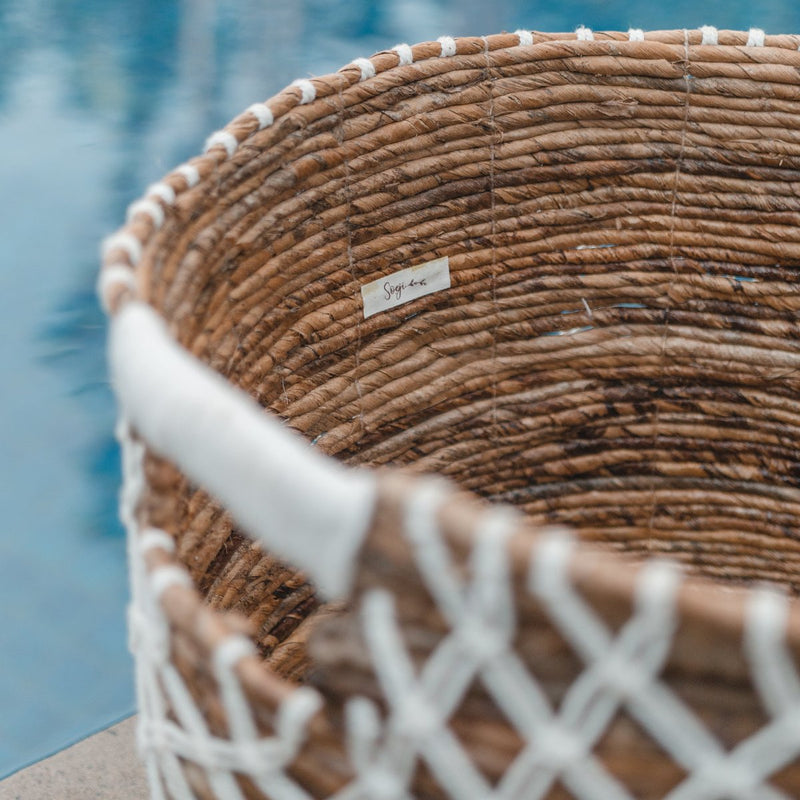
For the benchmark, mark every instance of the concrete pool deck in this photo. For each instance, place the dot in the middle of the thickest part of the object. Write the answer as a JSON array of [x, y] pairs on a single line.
[[104, 766]]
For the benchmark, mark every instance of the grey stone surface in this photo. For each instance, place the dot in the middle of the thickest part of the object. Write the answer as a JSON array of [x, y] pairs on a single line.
[[103, 767]]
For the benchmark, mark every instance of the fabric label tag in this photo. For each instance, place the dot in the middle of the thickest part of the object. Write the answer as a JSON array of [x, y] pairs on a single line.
[[405, 285]]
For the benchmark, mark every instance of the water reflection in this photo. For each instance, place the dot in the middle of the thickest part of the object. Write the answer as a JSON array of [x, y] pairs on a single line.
[[98, 98]]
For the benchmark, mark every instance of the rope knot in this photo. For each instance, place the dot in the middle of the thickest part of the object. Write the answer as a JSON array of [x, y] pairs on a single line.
[[622, 676], [559, 748], [416, 718], [380, 784], [726, 777], [481, 642]]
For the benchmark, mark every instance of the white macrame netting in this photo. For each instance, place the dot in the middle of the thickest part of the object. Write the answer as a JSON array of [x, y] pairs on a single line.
[[621, 673]]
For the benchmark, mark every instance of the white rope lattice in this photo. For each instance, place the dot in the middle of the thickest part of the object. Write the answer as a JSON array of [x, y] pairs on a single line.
[[160, 687], [621, 673]]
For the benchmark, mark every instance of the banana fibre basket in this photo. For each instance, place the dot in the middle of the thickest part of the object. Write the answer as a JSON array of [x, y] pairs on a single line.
[[459, 410]]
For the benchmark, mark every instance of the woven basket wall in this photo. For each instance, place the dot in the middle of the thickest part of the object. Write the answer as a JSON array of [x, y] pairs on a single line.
[[617, 353]]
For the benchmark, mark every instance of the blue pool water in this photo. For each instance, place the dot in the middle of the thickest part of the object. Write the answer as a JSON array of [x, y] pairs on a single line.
[[98, 98]]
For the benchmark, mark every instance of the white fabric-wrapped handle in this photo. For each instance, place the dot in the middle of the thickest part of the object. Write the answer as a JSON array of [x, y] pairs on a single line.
[[306, 508]]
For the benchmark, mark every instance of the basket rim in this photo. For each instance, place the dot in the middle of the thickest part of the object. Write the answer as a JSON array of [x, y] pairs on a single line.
[[122, 251]]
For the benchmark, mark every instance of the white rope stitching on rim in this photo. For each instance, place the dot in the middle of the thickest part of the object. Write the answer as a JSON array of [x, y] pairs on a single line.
[[709, 35], [222, 138], [189, 173], [584, 34], [448, 44], [366, 67], [525, 37], [263, 113], [635, 35], [405, 54], [126, 242], [163, 578], [163, 191], [755, 37], [307, 89], [112, 277], [149, 207], [149, 203], [154, 538]]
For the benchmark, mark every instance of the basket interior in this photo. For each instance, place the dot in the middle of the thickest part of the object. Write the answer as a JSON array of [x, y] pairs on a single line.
[[618, 349]]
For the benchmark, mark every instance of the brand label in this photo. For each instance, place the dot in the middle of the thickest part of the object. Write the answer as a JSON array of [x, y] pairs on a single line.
[[405, 285]]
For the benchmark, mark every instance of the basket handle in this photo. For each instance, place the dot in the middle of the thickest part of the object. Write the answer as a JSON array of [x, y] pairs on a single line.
[[305, 507]]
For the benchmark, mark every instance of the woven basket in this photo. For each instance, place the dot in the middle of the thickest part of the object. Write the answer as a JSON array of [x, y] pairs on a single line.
[[559, 272]]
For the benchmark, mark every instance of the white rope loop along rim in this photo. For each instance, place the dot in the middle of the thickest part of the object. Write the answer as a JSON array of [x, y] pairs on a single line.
[[228, 142]]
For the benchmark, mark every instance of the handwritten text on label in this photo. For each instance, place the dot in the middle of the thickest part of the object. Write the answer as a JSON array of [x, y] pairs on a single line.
[[405, 285]]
